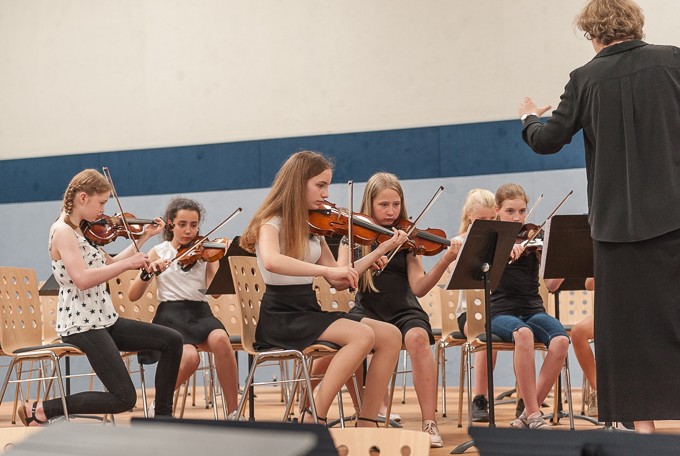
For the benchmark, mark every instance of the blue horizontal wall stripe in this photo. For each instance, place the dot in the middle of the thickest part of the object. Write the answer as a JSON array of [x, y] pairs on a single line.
[[413, 153]]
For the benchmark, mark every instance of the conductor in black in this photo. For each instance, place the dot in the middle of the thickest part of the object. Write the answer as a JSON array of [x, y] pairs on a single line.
[[627, 102]]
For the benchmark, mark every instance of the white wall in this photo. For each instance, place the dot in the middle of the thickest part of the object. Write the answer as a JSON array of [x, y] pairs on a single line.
[[94, 75]]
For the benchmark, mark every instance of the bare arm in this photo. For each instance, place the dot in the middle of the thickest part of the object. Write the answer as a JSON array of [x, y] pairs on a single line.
[[65, 246], [274, 261], [139, 286], [422, 283]]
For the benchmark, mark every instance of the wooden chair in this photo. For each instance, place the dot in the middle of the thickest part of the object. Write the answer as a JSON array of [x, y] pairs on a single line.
[[452, 336], [330, 299], [365, 441], [21, 336], [250, 288], [476, 341]]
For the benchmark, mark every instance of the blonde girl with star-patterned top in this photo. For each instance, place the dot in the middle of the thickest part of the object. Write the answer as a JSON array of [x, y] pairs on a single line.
[[86, 317]]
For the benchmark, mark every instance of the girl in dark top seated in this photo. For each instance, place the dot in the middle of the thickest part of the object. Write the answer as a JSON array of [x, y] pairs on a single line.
[[517, 314]]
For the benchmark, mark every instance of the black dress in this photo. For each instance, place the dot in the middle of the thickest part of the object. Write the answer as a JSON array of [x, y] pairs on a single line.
[[394, 303], [291, 318]]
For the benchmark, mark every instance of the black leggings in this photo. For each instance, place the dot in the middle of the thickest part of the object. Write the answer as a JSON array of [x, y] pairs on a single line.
[[103, 347]]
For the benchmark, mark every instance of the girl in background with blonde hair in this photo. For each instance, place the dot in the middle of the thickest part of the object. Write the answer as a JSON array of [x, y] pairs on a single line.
[[479, 205], [391, 296], [86, 317], [289, 258]]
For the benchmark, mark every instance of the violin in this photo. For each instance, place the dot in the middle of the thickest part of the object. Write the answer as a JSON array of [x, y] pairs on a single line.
[[106, 229], [329, 220], [423, 242], [531, 237], [206, 251]]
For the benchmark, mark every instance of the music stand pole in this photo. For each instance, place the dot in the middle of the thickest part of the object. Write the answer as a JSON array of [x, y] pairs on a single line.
[[481, 261]]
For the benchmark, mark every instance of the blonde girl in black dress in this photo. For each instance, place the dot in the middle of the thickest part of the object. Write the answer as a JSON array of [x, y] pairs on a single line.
[[392, 296]]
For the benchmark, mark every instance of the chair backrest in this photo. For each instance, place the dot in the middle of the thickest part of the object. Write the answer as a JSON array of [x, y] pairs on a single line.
[[575, 306], [20, 306], [226, 309], [249, 286], [449, 303], [143, 309], [330, 299], [48, 306], [476, 316], [432, 305], [360, 441]]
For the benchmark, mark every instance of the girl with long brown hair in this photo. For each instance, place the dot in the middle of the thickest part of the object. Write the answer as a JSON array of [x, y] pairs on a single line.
[[289, 258]]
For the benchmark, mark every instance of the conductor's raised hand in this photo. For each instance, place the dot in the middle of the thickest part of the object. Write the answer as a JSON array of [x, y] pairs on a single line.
[[529, 107]]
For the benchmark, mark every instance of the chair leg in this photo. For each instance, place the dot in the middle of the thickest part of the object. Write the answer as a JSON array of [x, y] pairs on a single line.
[[213, 399], [19, 392], [193, 390], [184, 399], [391, 395], [206, 383], [437, 361], [461, 386], [60, 382], [144, 400], [246, 387], [403, 381], [442, 364], [567, 392], [468, 361], [7, 377], [341, 410]]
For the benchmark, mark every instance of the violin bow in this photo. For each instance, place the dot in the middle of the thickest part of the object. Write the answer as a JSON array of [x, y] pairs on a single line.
[[350, 226], [126, 226], [413, 227], [533, 207], [205, 238], [536, 233]]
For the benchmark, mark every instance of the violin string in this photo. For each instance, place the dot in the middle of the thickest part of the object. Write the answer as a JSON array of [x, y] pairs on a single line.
[[205, 238]]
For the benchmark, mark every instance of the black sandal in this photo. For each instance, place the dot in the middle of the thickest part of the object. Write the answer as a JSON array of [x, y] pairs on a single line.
[[318, 418], [25, 420], [366, 419]]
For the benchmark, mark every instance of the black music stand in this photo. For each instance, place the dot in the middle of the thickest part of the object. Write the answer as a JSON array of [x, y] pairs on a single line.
[[567, 254], [481, 263], [223, 283]]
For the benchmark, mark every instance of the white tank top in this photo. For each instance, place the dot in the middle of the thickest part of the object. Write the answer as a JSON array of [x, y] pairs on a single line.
[[271, 278], [177, 285]]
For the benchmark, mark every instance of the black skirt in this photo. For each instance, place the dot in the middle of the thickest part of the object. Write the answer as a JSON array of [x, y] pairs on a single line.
[[192, 319], [637, 328], [291, 318]]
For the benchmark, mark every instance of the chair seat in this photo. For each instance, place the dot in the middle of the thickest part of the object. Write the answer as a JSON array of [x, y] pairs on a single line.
[[235, 340], [437, 332], [494, 338], [61, 347], [457, 335]]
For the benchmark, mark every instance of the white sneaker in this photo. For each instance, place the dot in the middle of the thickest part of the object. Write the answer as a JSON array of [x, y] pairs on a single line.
[[393, 417], [431, 428], [152, 410], [232, 416]]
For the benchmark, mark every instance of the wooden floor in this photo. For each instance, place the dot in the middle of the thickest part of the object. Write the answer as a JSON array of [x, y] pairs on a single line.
[[269, 407]]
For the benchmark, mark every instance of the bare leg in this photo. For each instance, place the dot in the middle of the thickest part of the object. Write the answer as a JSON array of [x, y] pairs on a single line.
[[554, 360], [581, 333], [356, 340], [525, 368], [188, 366], [225, 364], [481, 373], [641, 427], [417, 343], [386, 354]]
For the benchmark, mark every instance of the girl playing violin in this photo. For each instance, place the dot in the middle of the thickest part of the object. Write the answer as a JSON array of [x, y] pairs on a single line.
[[289, 258], [479, 205], [182, 307], [391, 296], [517, 314], [86, 317]]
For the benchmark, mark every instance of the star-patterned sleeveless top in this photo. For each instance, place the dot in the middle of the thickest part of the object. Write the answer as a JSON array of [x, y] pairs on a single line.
[[81, 310]]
